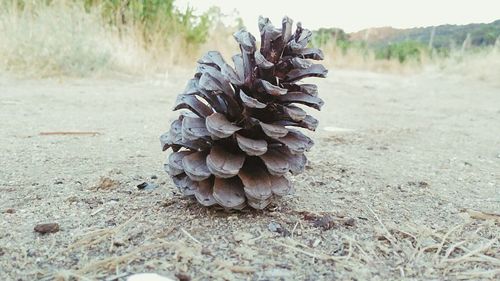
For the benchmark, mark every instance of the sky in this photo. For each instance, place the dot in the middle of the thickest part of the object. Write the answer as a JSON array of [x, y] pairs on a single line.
[[354, 15]]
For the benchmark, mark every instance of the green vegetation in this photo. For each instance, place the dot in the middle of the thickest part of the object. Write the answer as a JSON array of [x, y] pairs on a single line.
[[403, 51], [450, 36], [157, 19], [412, 45]]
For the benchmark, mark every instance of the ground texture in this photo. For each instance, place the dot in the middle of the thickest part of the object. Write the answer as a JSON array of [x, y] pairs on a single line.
[[403, 183]]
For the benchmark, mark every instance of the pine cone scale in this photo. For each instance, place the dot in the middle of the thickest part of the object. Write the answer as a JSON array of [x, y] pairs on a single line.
[[219, 127], [195, 166], [250, 146], [224, 164], [229, 193]]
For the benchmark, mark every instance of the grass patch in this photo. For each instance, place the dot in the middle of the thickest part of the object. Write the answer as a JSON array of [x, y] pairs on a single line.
[[89, 37]]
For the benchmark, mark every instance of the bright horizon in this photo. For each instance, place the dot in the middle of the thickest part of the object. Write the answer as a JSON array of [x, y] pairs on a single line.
[[356, 15]]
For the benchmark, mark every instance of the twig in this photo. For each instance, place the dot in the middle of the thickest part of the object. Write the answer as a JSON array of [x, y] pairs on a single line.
[[471, 253], [102, 234], [382, 224], [482, 215], [241, 269], [116, 260], [311, 254], [97, 211], [190, 236], [443, 240], [471, 274], [67, 133], [294, 227], [452, 248]]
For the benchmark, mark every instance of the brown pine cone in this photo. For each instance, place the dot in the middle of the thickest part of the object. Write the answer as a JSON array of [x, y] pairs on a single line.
[[234, 144]]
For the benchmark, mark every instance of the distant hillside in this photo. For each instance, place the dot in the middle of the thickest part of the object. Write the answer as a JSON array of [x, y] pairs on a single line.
[[445, 36]]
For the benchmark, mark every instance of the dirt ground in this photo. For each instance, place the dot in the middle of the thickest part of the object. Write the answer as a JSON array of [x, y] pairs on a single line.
[[402, 184]]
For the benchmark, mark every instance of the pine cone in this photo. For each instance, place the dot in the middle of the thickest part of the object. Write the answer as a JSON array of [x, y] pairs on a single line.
[[234, 144]]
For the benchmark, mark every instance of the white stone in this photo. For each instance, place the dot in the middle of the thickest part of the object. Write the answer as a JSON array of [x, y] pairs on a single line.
[[148, 277]]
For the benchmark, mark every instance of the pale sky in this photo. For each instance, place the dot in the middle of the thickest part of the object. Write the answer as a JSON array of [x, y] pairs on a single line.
[[354, 15]]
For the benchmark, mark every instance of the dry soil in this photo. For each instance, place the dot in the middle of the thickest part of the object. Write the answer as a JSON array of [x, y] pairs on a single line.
[[402, 184]]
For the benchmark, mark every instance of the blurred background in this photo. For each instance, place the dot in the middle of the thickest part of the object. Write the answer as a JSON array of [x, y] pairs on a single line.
[[45, 38]]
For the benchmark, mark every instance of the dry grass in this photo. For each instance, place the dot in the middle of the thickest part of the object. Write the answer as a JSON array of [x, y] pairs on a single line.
[[364, 59], [62, 39], [467, 251], [56, 40], [483, 65]]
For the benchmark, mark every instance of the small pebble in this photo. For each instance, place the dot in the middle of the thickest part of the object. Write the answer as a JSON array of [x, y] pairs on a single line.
[[206, 251], [326, 222], [153, 177], [10, 211], [276, 227], [183, 277], [273, 226], [350, 222], [148, 277], [147, 186], [44, 228]]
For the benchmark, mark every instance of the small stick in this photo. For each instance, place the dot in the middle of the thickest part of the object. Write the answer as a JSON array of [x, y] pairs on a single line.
[[313, 255], [241, 269], [68, 133], [382, 224], [190, 236], [294, 227], [474, 273], [452, 248], [473, 252], [443, 240]]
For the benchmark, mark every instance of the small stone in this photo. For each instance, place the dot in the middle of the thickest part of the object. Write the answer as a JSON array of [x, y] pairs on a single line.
[[10, 211], [276, 227], [326, 222], [153, 177], [30, 253], [183, 277], [147, 186], [273, 226], [315, 243], [118, 243], [206, 251], [350, 222], [58, 182], [148, 277], [423, 184], [44, 228]]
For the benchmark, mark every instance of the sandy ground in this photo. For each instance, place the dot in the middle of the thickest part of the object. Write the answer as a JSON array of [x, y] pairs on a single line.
[[403, 183]]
